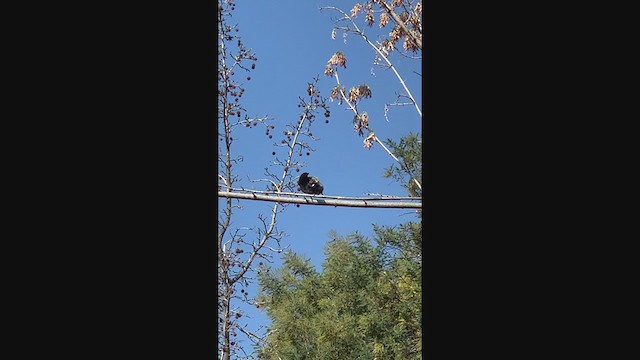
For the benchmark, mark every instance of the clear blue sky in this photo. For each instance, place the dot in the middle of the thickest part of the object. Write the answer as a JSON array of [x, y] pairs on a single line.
[[292, 41]]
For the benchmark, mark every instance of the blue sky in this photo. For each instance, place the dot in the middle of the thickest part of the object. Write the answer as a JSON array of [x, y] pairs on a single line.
[[292, 41]]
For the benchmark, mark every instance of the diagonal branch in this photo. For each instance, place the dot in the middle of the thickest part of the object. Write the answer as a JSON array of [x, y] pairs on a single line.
[[414, 37], [399, 162], [359, 32], [353, 108]]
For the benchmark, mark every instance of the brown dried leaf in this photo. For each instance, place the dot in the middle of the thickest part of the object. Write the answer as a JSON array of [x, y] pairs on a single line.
[[410, 45], [384, 19], [338, 59], [368, 141], [369, 18], [396, 33], [328, 70], [335, 92], [364, 91], [353, 94], [356, 8], [364, 120]]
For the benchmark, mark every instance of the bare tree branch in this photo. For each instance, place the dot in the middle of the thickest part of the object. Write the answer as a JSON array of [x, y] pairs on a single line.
[[371, 197], [311, 200]]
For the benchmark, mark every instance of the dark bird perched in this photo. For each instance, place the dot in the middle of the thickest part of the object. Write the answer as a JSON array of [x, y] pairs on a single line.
[[310, 184]]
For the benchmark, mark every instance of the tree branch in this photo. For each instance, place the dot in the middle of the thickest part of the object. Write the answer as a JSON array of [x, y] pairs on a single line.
[[313, 200], [396, 159], [344, 97], [417, 39], [371, 197], [382, 55]]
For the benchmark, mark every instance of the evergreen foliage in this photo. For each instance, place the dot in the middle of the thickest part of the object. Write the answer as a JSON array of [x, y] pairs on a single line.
[[365, 304]]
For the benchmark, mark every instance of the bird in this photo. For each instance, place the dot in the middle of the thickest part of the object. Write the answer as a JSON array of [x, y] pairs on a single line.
[[310, 184]]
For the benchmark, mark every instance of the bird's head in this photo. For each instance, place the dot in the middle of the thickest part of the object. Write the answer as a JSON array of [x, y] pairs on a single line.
[[303, 180]]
